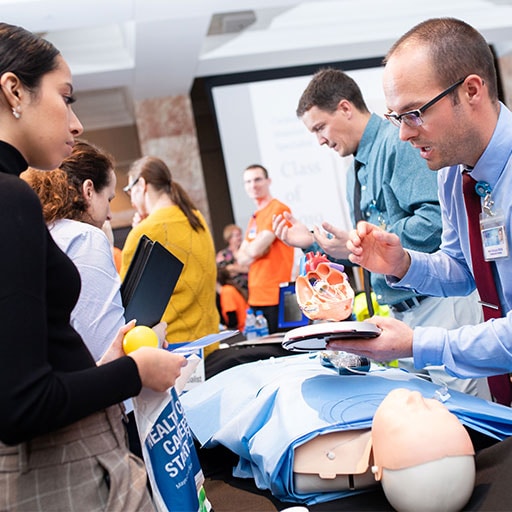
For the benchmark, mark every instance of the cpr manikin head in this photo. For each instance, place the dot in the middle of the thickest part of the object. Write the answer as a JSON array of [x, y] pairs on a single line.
[[422, 454]]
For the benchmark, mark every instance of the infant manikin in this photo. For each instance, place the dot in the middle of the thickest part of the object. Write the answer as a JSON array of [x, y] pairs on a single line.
[[422, 454]]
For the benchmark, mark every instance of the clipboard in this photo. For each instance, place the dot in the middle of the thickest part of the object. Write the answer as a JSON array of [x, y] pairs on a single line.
[[316, 336], [149, 282]]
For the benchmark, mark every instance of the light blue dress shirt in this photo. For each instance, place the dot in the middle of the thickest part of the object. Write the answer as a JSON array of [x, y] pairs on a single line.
[[99, 312], [486, 348]]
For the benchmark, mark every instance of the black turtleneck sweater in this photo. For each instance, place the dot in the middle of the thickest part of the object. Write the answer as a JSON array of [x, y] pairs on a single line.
[[48, 378]]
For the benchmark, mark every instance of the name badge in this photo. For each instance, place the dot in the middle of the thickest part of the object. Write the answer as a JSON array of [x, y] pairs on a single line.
[[492, 225], [494, 236]]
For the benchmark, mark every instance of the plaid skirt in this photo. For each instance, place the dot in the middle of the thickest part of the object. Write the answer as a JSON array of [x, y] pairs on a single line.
[[83, 467]]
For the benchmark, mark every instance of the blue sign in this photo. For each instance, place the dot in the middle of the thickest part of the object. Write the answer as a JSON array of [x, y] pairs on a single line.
[[176, 468]]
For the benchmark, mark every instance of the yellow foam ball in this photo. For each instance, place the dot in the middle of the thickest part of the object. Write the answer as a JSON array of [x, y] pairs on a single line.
[[139, 336]]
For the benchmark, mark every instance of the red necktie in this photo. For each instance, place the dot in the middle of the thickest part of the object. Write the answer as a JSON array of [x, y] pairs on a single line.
[[500, 385]]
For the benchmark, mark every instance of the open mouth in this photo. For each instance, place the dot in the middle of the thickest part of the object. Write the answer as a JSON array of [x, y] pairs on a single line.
[[425, 151]]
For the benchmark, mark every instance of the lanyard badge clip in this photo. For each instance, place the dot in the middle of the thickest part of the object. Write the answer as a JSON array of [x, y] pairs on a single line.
[[492, 225]]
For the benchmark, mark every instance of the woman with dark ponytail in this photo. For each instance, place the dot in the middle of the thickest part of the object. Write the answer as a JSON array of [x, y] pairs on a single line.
[[170, 217]]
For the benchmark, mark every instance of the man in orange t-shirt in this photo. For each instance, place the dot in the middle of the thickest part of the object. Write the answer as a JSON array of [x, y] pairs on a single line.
[[270, 260]]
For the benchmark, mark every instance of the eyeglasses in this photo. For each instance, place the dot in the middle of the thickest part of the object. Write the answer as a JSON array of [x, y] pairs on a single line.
[[414, 118], [128, 188]]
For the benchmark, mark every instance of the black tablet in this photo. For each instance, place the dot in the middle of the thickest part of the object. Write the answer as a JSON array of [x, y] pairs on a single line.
[[316, 336], [149, 282]]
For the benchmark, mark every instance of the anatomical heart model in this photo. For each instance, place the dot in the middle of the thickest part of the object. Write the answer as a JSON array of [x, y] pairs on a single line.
[[324, 293]]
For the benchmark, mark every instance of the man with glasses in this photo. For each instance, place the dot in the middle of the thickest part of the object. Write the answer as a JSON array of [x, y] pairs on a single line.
[[395, 190], [465, 128], [413, 118]]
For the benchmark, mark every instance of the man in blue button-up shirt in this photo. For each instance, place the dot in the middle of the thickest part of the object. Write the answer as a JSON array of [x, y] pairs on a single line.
[[466, 129], [470, 129]]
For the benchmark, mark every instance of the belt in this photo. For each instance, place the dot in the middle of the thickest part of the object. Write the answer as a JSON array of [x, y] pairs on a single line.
[[405, 305]]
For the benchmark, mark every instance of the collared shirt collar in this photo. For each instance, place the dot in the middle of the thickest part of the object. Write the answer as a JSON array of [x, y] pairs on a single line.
[[368, 138], [497, 153]]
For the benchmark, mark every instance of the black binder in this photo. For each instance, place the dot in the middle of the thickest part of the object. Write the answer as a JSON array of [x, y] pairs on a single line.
[[149, 282]]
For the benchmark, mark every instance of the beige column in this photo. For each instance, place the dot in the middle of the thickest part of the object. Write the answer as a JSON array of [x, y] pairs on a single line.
[[166, 130]]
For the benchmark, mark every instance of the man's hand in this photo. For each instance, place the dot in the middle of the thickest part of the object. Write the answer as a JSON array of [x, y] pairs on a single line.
[[332, 240], [377, 250], [394, 342], [291, 231]]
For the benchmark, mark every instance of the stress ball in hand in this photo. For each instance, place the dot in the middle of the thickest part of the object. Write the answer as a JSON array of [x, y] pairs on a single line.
[[139, 336]]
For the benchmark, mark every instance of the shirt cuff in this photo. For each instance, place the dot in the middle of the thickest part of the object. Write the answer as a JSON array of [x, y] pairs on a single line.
[[412, 276], [427, 346]]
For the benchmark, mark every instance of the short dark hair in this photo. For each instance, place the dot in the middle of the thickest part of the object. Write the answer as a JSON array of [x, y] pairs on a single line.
[[327, 88], [257, 166], [25, 54], [456, 49]]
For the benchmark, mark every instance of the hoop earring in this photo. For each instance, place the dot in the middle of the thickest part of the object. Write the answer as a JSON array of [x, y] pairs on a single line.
[[15, 113]]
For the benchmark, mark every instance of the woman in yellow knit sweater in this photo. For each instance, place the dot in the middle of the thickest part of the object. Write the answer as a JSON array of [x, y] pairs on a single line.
[[169, 217]]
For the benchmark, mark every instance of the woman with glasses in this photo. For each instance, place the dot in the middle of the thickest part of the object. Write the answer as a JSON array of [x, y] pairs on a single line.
[[171, 218]]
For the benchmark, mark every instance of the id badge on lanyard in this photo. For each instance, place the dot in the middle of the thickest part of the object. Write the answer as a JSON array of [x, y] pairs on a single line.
[[492, 225], [252, 230]]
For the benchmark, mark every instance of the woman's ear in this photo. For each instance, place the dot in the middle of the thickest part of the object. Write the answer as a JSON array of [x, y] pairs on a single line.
[[12, 89], [87, 189]]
